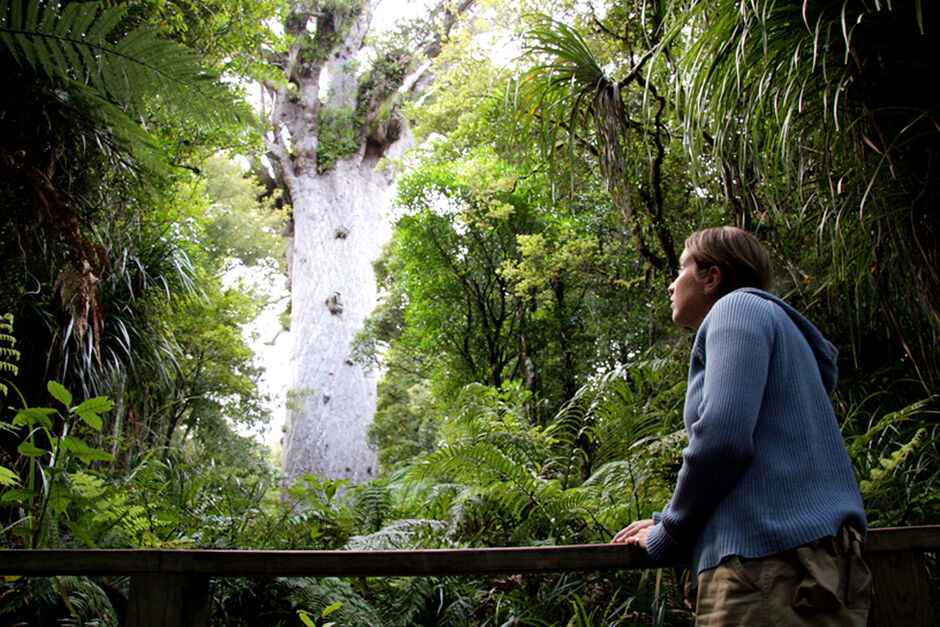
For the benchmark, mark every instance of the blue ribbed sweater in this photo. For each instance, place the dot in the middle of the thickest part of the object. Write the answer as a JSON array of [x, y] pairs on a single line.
[[766, 467]]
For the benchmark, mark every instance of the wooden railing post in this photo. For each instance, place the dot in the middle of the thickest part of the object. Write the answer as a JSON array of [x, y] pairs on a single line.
[[901, 592], [168, 600]]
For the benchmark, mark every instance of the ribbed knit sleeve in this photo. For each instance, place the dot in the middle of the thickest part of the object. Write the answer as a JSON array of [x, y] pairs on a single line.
[[727, 378]]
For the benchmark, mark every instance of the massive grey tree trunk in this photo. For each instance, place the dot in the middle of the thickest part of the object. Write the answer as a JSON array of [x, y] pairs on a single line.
[[331, 399], [325, 144]]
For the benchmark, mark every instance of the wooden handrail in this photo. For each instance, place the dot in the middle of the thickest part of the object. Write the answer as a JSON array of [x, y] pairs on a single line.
[[326, 563], [926, 539], [176, 581]]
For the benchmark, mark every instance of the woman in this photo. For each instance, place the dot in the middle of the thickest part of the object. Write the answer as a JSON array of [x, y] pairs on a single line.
[[766, 510]]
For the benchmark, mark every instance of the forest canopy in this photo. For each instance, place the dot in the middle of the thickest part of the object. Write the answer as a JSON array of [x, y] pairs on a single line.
[[531, 378]]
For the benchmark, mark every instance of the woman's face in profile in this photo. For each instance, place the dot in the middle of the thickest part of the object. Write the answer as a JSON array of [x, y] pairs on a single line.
[[691, 295]]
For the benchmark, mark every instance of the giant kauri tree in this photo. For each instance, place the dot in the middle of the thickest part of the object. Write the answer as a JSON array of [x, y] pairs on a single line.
[[329, 129]]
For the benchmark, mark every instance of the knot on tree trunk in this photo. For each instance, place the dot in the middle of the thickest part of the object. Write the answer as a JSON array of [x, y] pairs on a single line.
[[335, 303]]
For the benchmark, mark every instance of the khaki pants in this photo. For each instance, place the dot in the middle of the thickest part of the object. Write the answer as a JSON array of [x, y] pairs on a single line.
[[823, 583]]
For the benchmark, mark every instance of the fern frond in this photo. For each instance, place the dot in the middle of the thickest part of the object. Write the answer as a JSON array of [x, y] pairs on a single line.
[[860, 443], [372, 504], [88, 602], [316, 594], [6, 323], [611, 414], [8, 354], [411, 533], [83, 47], [887, 466]]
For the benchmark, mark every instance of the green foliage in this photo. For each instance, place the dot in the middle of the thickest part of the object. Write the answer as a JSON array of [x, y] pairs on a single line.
[[86, 48], [237, 226], [53, 448], [98, 110], [227, 33], [387, 72], [329, 520], [447, 255], [376, 98], [338, 136], [333, 20], [819, 123], [570, 89], [619, 432], [895, 457], [69, 600], [500, 479], [8, 354], [405, 422], [532, 381]]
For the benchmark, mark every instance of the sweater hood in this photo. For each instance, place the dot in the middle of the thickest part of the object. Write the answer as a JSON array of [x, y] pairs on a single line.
[[825, 352]]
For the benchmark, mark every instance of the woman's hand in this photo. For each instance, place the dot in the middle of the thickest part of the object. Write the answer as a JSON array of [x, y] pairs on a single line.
[[634, 533]]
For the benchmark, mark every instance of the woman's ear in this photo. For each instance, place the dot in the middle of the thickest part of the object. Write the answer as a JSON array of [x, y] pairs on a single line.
[[713, 277]]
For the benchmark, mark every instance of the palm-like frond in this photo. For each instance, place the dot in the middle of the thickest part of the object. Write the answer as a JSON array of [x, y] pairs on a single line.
[[819, 109], [569, 71], [568, 87]]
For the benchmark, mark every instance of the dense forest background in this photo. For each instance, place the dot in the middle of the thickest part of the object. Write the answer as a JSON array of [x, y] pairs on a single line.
[[531, 378]]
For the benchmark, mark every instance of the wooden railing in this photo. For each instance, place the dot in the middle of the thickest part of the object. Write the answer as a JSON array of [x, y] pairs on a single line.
[[171, 587]]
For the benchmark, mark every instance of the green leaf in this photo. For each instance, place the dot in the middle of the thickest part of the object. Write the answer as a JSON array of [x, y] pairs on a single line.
[[32, 415], [8, 477], [332, 607], [97, 405], [86, 453], [58, 498], [28, 450], [304, 617], [89, 410], [17, 496], [59, 393], [79, 531]]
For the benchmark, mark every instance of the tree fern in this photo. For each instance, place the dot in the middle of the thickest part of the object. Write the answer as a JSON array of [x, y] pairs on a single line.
[[502, 487], [85, 46], [609, 415]]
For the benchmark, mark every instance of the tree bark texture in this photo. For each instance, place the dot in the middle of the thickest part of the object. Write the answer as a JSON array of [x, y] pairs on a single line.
[[338, 230], [331, 399]]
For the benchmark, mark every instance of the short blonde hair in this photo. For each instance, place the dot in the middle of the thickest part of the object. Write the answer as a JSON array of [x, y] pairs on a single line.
[[743, 260]]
